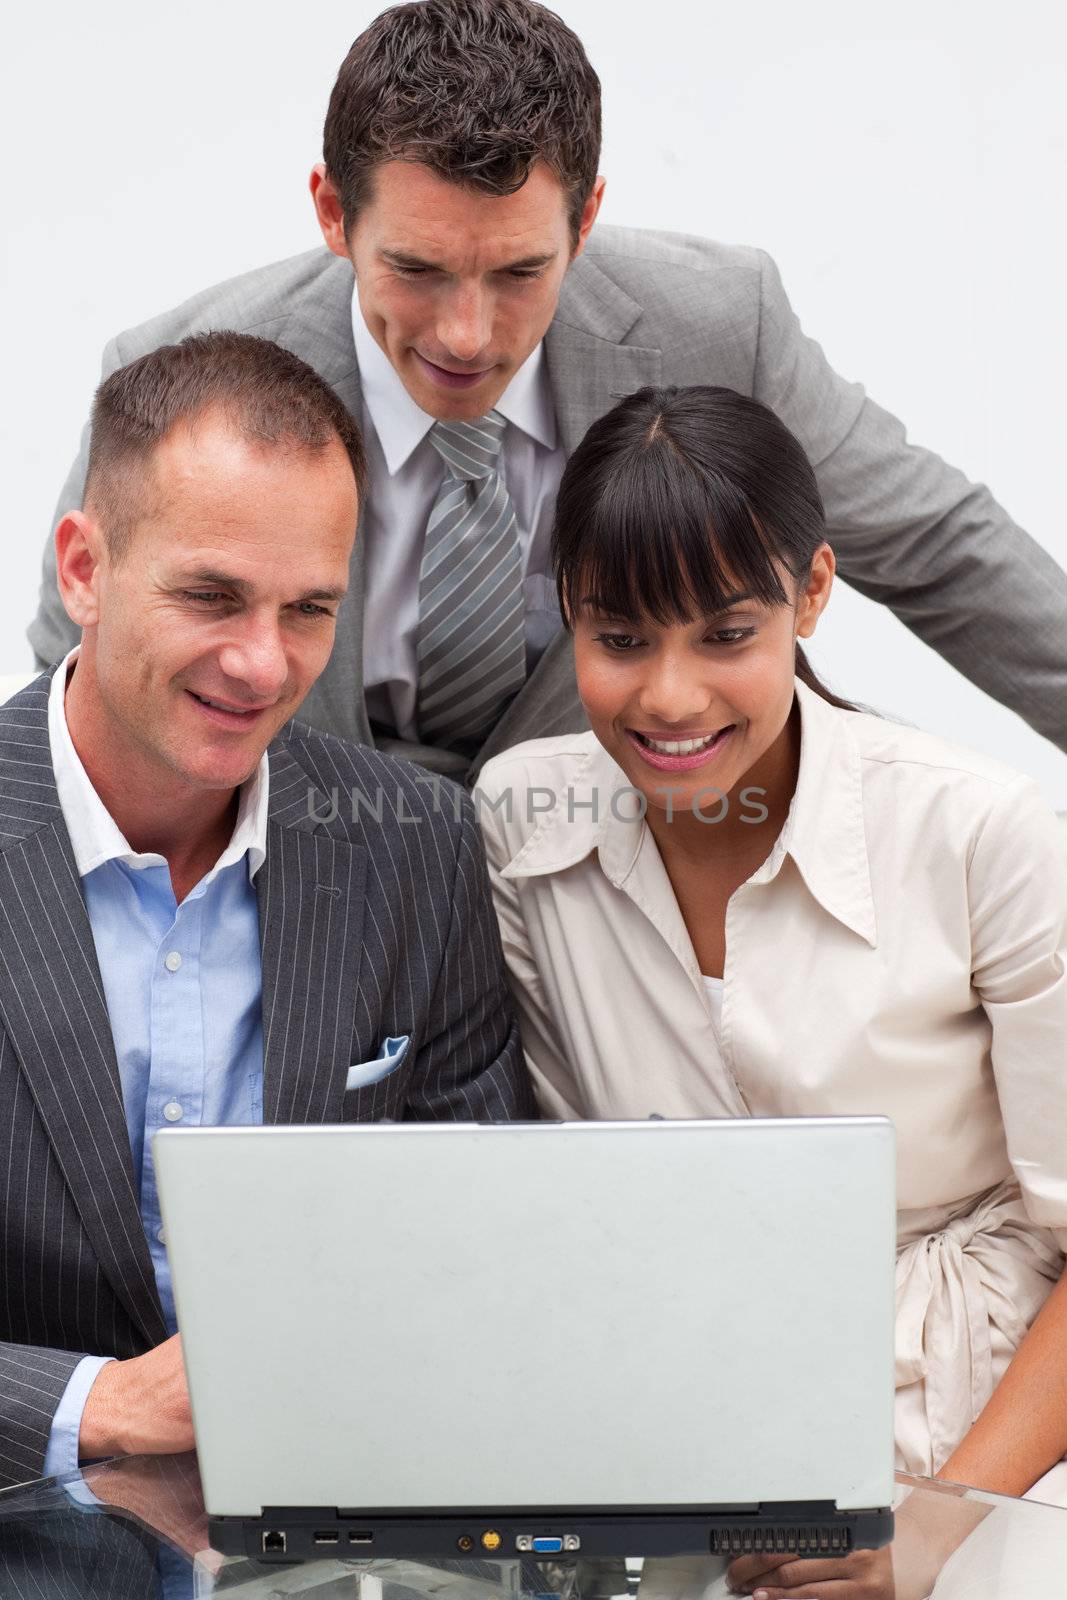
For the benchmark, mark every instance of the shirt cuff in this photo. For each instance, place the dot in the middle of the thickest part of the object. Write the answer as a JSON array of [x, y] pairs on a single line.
[[62, 1453]]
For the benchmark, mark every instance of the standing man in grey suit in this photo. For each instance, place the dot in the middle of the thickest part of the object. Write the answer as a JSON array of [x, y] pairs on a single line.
[[208, 913], [488, 324]]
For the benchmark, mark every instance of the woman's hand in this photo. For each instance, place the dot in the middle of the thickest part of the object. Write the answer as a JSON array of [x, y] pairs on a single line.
[[929, 1526], [861, 1575]]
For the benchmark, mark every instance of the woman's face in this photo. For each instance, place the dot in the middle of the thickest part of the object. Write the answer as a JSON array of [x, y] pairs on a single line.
[[688, 710]]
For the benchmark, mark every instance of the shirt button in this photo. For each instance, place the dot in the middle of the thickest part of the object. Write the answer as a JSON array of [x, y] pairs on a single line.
[[159, 1235], [173, 1111], [172, 961]]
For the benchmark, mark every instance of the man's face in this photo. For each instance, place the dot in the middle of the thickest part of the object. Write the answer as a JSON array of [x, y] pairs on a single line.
[[212, 627], [458, 287]]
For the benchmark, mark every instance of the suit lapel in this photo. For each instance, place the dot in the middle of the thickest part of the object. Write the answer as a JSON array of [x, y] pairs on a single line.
[[588, 365], [311, 903], [53, 1008], [324, 321]]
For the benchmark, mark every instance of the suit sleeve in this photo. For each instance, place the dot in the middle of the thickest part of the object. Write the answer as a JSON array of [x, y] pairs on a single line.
[[52, 633], [915, 534], [65, 1436], [33, 1381], [470, 1066]]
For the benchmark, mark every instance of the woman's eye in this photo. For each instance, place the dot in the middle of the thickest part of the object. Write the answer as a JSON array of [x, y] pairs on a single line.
[[618, 641], [731, 635]]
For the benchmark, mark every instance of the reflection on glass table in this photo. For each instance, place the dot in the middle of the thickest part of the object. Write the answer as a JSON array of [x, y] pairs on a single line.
[[137, 1528]]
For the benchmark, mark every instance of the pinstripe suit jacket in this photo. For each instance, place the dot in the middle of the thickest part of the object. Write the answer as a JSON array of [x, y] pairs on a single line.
[[371, 927], [59, 1551]]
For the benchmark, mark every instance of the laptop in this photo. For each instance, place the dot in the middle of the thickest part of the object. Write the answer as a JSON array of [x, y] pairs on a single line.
[[427, 1341]]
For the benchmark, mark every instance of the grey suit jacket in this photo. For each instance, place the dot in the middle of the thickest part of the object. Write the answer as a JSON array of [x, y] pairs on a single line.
[[639, 308], [369, 928]]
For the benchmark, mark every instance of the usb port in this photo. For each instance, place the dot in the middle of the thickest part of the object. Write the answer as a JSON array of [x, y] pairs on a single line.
[[326, 1538], [361, 1538]]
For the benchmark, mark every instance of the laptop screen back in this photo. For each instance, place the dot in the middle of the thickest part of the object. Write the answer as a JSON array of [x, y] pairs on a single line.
[[627, 1315]]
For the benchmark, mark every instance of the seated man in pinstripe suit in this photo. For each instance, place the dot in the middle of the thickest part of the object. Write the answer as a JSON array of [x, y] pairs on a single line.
[[207, 914]]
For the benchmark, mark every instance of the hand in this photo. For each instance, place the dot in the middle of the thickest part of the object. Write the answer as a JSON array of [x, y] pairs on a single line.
[[929, 1526], [139, 1407], [861, 1575], [161, 1492]]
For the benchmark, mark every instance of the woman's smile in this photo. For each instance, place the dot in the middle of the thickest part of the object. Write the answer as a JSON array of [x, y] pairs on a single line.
[[683, 753]]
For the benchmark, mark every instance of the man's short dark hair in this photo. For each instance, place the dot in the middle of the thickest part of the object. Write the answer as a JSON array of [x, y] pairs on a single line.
[[269, 395], [477, 90]]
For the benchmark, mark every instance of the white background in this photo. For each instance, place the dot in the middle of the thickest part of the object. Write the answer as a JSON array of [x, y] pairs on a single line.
[[904, 164]]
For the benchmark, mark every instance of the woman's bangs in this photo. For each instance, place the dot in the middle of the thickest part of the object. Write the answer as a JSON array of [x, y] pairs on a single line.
[[669, 543]]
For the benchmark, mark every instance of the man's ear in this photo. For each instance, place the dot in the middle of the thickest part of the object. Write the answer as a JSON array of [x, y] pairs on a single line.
[[79, 554], [328, 210], [589, 216]]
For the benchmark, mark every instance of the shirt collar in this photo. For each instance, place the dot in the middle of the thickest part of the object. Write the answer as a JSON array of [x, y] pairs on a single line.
[[824, 832], [401, 425], [94, 835]]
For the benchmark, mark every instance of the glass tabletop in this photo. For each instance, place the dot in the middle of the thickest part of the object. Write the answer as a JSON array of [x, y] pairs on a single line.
[[137, 1528]]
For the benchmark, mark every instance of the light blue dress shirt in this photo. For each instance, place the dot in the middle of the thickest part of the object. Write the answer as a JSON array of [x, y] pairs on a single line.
[[183, 985]]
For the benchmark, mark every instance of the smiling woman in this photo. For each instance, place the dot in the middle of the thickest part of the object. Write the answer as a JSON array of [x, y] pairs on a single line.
[[632, 549], [884, 932]]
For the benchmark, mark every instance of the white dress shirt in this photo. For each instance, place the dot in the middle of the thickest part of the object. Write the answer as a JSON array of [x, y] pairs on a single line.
[[902, 950], [95, 836], [405, 472]]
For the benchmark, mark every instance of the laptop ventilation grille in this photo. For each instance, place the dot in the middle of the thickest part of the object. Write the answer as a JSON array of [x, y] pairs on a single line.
[[809, 1541]]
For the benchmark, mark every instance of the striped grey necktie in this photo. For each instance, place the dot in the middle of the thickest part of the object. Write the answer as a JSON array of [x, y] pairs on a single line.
[[471, 637]]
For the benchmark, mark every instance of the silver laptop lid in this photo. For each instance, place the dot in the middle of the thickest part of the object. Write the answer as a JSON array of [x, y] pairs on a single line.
[[582, 1314]]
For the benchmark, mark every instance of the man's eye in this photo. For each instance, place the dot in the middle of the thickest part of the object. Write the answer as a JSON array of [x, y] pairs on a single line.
[[618, 642], [525, 272], [203, 597], [308, 608], [410, 272]]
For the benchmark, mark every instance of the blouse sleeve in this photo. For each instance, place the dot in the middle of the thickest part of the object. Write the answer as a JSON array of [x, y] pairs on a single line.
[[546, 1058], [1017, 885]]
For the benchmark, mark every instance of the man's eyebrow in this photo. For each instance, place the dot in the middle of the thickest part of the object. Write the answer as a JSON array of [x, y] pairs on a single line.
[[204, 579], [403, 258]]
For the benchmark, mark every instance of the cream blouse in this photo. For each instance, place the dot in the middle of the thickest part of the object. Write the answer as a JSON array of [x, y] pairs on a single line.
[[901, 951]]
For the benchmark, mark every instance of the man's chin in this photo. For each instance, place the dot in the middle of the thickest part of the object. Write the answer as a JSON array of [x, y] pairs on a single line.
[[214, 771]]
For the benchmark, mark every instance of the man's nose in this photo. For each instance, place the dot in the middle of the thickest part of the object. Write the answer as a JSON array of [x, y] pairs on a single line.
[[465, 323], [255, 657]]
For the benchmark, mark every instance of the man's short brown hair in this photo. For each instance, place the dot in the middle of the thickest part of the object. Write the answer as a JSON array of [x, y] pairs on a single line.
[[477, 90], [269, 395]]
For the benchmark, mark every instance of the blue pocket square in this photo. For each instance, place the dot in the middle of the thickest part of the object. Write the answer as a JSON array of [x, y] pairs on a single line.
[[363, 1073]]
